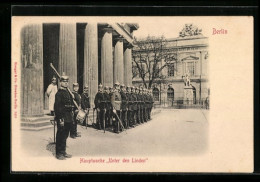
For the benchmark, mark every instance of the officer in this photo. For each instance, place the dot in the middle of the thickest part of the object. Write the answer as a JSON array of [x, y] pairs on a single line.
[[124, 105], [99, 102], [108, 106], [130, 105], [77, 98], [63, 108], [85, 104], [116, 104]]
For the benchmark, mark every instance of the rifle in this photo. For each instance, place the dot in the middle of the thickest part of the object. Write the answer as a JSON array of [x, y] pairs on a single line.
[[120, 122], [104, 123], [93, 115]]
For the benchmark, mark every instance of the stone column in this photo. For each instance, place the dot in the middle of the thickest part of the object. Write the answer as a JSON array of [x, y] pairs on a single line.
[[107, 58], [91, 60], [128, 74], [32, 71], [68, 52], [118, 74]]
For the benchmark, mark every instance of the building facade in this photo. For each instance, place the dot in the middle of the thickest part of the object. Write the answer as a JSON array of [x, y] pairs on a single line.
[[191, 56], [89, 53]]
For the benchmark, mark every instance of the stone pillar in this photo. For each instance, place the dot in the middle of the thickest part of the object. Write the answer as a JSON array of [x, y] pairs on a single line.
[[107, 58], [91, 60], [128, 74], [118, 74], [32, 71], [68, 52]]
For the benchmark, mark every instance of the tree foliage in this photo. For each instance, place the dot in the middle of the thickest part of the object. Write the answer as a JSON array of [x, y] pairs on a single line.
[[150, 56]]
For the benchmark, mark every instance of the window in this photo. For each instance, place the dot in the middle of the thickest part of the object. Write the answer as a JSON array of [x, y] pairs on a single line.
[[171, 69], [170, 94], [156, 94], [191, 68]]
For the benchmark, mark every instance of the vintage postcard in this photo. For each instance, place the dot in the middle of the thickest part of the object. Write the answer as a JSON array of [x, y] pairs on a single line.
[[132, 94]]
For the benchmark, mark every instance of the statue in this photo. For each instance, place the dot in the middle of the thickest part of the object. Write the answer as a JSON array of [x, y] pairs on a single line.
[[190, 30], [187, 79]]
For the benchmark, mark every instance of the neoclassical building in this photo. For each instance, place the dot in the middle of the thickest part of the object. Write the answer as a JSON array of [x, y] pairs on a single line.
[[89, 53], [191, 55]]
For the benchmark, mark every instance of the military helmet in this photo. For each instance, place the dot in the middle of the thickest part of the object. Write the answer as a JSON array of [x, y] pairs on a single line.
[[117, 83], [100, 86], [106, 87], [86, 86], [75, 84], [122, 86], [64, 78]]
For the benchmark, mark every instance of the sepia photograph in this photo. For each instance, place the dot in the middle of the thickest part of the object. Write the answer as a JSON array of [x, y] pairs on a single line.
[[132, 94]]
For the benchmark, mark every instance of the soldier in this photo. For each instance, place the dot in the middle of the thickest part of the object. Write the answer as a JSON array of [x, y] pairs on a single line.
[[130, 105], [85, 104], [111, 91], [137, 114], [134, 105], [124, 105], [77, 98], [108, 106], [150, 105], [99, 102], [141, 100], [145, 105], [63, 108], [116, 104]]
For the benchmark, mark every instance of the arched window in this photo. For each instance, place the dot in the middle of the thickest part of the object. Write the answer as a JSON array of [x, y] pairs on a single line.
[[156, 94], [170, 94]]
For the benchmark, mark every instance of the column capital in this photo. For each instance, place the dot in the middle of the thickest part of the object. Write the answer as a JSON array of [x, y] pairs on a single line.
[[128, 45], [119, 38], [108, 29]]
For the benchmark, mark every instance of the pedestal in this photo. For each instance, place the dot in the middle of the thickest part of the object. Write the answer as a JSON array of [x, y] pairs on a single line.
[[188, 95]]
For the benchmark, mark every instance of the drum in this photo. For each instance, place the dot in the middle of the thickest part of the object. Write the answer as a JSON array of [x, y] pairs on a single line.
[[81, 116]]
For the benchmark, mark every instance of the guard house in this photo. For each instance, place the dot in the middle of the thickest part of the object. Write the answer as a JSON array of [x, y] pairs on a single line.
[[89, 53]]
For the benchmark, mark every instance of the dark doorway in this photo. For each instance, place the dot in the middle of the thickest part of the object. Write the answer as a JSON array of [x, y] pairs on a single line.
[[194, 94], [51, 32], [80, 54]]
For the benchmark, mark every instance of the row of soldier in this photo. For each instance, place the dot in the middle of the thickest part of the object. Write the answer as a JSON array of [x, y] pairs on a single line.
[[119, 108], [122, 107]]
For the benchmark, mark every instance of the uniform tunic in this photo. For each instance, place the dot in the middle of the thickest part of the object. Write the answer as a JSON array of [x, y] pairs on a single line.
[[63, 108]]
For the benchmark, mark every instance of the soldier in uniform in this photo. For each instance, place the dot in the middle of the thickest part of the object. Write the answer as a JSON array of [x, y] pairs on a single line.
[[77, 98], [124, 105], [116, 104], [137, 105], [108, 106], [99, 102], [141, 103], [129, 108], [111, 91], [63, 108], [85, 104], [145, 105], [134, 105]]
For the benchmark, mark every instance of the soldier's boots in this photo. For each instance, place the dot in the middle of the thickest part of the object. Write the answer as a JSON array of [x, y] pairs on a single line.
[[67, 155], [60, 157]]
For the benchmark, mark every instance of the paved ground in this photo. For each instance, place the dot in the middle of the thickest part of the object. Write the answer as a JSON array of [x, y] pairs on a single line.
[[171, 132]]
